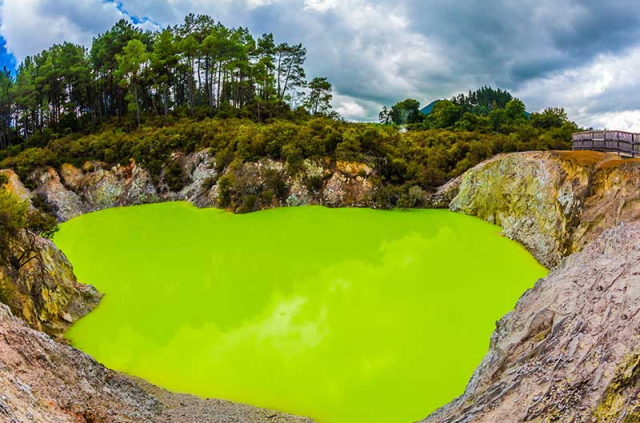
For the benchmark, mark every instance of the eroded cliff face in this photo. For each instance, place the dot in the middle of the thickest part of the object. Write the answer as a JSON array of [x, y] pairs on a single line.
[[40, 286], [553, 203], [570, 350], [71, 192], [37, 280]]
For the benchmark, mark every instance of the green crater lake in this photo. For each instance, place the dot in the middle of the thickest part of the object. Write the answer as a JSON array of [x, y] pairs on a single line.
[[343, 315]]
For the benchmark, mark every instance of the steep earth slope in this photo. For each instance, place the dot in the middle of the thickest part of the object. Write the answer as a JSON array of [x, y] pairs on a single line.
[[570, 351], [43, 381]]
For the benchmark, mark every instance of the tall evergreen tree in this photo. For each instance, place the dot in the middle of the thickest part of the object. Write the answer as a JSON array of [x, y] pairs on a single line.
[[164, 60], [6, 107], [319, 98], [130, 67]]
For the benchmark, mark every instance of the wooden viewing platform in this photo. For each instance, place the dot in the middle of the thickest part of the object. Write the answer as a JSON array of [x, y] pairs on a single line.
[[626, 144]]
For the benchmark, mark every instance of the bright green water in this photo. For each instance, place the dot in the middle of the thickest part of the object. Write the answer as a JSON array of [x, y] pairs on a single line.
[[347, 315]]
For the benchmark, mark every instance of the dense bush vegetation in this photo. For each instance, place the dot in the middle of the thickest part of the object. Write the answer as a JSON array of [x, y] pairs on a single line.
[[421, 158], [15, 214]]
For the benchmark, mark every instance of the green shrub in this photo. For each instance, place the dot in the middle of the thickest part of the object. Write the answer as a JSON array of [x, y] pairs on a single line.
[[314, 183], [267, 197], [40, 203], [28, 160], [250, 204], [13, 214], [275, 183], [209, 182], [41, 223], [173, 176], [386, 196], [224, 191], [413, 198]]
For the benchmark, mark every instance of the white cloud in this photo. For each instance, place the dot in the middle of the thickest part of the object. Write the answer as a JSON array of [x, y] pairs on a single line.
[[30, 26], [374, 55], [350, 109], [626, 121], [320, 5], [600, 93]]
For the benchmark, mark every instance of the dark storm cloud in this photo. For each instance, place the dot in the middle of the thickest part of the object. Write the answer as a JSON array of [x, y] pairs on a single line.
[[511, 42]]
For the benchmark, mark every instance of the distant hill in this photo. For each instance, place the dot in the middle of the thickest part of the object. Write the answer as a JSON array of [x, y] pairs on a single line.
[[429, 108]]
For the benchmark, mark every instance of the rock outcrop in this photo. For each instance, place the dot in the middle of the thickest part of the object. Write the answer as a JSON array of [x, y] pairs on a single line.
[[199, 188], [37, 280], [553, 203], [40, 285], [570, 351], [349, 186], [15, 185], [71, 192], [43, 381]]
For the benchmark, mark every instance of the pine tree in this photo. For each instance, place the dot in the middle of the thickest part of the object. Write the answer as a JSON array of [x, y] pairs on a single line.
[[130, 66]]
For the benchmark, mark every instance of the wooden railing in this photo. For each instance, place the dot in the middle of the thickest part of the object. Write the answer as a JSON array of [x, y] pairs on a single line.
[[626, 144]]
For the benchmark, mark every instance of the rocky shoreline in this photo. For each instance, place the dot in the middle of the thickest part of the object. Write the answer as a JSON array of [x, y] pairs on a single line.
[[568, 352]]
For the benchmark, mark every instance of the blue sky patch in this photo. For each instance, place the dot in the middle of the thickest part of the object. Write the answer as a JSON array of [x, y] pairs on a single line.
[[6, 59], [135, 19]]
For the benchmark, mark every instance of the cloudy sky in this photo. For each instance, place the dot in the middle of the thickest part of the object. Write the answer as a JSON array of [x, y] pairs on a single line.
[[579, 54]]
